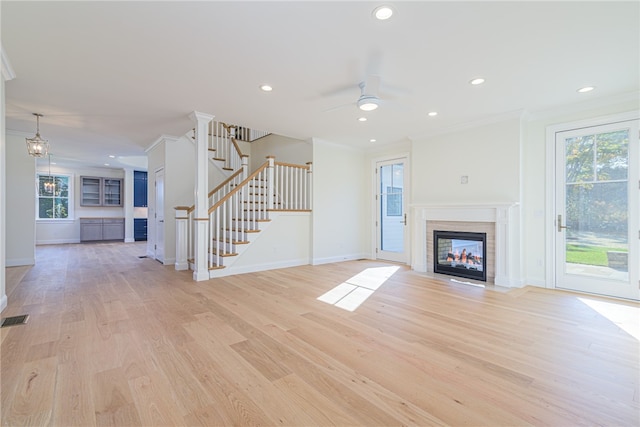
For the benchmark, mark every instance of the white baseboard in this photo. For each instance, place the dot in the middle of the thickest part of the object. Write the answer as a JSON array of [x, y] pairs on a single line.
[[129, 240], [3, 302], [16, 262], [267, 266], [540, 283], [339, 258], [182, 266], [57, 241]]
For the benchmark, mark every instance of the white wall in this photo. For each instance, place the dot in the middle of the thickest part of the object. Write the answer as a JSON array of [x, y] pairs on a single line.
[[489, 155], [284, 242], [55, 232], [287, 150], [340, 210], [21, 201], [7, 74], [179, 181]]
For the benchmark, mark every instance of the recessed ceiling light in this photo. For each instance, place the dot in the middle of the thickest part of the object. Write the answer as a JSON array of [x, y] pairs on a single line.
[[111, 156], [362, 119], [586, 89], [382, 12], [106, 164], [372, 140], [266, 88], [477, 81], [433, 113]]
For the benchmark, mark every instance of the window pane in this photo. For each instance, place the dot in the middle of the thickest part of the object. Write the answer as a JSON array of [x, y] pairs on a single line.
[[580, 159], [44, 185], [597, 221], [45, 207], [613, 155], [61, 208], [62, 186]]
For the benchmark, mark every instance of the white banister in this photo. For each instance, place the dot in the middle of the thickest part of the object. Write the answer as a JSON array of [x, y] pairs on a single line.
[[292, 186], [270, 189]]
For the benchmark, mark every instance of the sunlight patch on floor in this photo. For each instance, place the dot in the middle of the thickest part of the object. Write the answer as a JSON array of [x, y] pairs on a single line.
[[625, 316], [350, 294]]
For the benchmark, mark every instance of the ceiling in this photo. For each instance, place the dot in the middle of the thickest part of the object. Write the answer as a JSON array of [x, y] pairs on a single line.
[[111, 77]]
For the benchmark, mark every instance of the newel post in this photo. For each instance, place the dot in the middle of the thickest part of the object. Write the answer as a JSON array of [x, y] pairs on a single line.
[[182, 237], [309, 184], [271, 195], [245, 166], [201, 209]]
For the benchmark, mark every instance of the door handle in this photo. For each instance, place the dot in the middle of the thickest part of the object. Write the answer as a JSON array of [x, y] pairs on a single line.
[[560, 226], [405, 219]]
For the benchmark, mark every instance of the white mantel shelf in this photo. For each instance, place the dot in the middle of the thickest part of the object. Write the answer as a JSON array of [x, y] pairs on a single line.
[[506, 217]]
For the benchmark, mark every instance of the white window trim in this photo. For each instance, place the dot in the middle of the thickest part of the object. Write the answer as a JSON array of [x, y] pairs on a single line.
[[71, 206]]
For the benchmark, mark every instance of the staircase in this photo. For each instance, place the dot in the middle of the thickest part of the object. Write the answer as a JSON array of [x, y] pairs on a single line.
[[241, 208]]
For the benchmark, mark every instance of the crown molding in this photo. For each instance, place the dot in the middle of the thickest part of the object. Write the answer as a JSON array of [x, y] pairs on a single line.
[[161, 139], [197, 116], [7, 69], [497, 118], [19, 133], [581, 106]]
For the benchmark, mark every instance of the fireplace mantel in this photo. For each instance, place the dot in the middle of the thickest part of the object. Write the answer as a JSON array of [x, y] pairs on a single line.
[[505, 216]]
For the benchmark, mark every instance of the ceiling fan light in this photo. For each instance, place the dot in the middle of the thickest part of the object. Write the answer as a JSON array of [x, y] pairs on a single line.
[[368, 103]]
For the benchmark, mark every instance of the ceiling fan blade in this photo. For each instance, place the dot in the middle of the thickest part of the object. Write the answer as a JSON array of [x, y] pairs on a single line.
[[338, 107]]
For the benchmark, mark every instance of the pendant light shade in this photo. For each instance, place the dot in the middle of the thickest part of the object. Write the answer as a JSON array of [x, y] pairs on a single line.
[[36, 146]]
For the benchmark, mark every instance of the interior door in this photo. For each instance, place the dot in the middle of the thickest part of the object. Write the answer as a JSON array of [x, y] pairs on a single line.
[[391, 216], [597, 204], [159, 216]]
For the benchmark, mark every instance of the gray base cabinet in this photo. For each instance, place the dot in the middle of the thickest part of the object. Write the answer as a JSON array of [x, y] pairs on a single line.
[[101, 229]]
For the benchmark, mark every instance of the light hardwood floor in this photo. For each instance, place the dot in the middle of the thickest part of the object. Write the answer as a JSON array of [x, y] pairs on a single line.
[[114, 339]]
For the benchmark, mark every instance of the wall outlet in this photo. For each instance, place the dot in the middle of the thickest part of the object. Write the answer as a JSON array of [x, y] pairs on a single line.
[[464, 179]]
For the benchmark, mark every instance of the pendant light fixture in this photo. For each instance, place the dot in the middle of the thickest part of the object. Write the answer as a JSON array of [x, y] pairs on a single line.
[[50, 185], [36, 146]]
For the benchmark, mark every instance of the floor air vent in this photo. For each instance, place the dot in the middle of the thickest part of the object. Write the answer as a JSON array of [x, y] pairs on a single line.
[[15, 320]]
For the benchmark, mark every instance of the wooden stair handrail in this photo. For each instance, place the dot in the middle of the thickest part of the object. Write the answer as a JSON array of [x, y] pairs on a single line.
[[238, 187], [225, 182]]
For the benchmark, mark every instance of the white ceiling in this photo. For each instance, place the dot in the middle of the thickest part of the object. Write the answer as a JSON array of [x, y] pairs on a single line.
[[112, 77]]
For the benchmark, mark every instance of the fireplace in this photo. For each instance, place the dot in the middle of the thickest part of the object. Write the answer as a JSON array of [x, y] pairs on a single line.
[[461, 254], [499, 221]]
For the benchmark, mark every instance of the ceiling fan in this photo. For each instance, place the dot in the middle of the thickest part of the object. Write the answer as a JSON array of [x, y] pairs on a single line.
[[369, 99]]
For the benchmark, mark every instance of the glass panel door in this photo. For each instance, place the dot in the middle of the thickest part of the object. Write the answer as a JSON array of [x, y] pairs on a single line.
[[597, 210], [391, 223]]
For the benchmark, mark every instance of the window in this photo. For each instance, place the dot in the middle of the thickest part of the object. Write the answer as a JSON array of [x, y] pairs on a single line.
[[54, 197], [394, 201]]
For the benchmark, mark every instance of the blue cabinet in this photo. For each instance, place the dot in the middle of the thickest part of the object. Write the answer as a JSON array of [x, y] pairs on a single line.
[[139, 189], [139, 229]]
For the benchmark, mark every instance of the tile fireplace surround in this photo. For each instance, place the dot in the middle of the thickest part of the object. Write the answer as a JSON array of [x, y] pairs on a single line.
[[500, 221]]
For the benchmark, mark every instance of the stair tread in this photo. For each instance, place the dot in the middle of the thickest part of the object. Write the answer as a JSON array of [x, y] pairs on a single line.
[[233, 242], [253, 230], [213, 252]]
